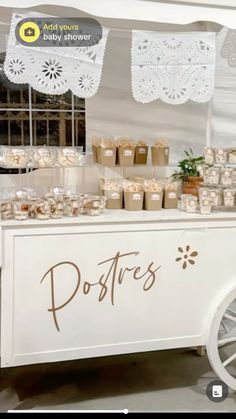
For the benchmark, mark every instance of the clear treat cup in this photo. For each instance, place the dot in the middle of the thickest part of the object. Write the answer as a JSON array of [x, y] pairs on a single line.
[[184, 198], [191, 204], [232, 156], [215, 195], [14, 157], [71, 205], [43, 157], [205, 205], [42, 209], [20, 210], [6, 210], [212, 176], [69, 156], [203, 192], [229, 197], [227, 177], [209, 155], [221, 155]]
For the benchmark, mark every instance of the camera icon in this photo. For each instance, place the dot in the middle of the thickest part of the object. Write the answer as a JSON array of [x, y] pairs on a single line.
[[29, 32]]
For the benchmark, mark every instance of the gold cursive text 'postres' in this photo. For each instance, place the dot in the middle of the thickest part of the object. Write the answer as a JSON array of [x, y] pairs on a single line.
[[114, 275]]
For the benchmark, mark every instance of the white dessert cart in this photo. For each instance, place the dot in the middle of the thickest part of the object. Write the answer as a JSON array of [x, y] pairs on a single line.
[[122, 282], [119, 283]]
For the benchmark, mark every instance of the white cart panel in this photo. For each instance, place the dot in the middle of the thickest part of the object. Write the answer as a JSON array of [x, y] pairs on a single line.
[[157, 305]]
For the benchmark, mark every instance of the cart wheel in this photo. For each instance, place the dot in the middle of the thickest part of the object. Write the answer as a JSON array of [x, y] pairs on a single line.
[[221, 346]]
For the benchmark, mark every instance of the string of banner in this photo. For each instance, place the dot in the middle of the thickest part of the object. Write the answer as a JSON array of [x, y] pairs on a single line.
[[172, 67]]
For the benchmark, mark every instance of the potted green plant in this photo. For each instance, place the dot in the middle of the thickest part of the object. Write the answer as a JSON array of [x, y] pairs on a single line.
[[190, 173]]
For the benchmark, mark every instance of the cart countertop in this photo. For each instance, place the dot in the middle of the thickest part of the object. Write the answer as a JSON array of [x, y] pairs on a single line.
[[125, 217]]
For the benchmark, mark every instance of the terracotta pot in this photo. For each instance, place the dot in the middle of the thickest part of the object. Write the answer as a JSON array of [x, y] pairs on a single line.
[[191, 185]]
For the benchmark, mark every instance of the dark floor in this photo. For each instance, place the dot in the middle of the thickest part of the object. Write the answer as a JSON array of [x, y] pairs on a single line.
[[173, 380]]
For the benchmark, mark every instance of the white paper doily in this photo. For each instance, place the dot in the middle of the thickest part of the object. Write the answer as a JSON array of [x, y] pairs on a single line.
[[55, 70], [173, 67]]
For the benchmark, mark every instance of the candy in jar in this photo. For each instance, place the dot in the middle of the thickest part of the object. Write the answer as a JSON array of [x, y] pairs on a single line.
[[220, 155], [184, 198], [17, 157], [209, 155], [102, 204], [212, 175], [55, 190], [205, 206], [191, 204], [93, 205], [43, 157], [21, 194], [72, 205], [232, 156], [57, 209], [57, 206], [69, 156], [32, 207], [216, 196], [5, 210], [203, 192], [229, 195], [227, 177], [42, 209], [20, 210]]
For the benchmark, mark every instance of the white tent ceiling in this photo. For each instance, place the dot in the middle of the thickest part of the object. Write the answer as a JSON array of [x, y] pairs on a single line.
[[180, 12]]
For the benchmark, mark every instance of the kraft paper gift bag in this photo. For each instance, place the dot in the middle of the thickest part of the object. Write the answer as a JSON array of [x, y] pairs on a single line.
[[134, 201], [126, 155], [107, 156], [160, 156], [114, 199], [153, 201], [170, 199], [95, 152], [141, 154]]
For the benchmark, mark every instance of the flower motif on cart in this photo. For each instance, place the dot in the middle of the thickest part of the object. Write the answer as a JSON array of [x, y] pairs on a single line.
[[186, 256]]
